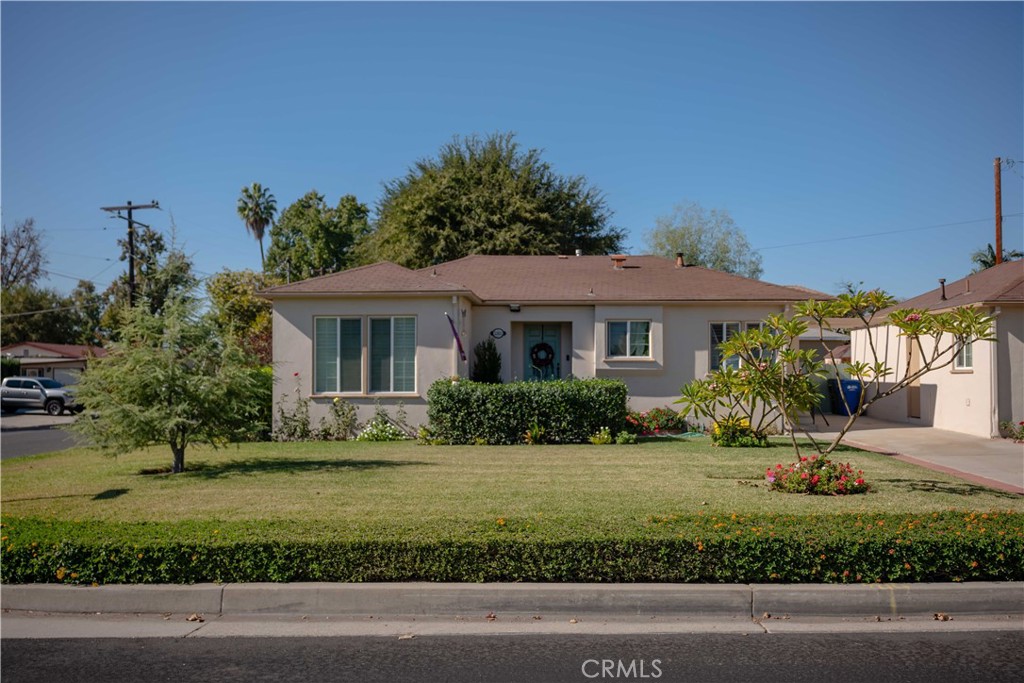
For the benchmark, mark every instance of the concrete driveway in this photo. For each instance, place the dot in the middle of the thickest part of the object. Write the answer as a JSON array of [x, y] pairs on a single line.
[[998, 463]]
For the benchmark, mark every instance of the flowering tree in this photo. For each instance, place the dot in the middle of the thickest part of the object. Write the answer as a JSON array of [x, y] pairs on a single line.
[[775, 381]]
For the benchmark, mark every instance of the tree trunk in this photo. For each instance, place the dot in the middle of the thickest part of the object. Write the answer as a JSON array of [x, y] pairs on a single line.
[[179, 459]]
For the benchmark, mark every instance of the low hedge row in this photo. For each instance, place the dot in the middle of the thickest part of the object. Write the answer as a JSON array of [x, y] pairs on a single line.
[[565, 411], [695, 549]]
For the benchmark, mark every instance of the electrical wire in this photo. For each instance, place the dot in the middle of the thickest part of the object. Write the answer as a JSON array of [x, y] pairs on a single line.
[[883, 233]]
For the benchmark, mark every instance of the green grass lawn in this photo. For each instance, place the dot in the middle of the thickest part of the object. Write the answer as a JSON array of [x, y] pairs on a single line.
[[405, 490]]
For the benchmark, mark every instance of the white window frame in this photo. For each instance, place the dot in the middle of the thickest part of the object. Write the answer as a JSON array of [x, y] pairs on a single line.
[[391, 353], [629, 325], [964, 359]]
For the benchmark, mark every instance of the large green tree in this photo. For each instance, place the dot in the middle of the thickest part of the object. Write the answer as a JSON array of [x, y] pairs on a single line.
[[256, 208], [171, 380], [487, 196], [704, 238], [239, 313], [312, 238]]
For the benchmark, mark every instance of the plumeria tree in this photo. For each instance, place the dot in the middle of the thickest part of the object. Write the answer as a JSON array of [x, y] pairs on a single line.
[[775, 382]]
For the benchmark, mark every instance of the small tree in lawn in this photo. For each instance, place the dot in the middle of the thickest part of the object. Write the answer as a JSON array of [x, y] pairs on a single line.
[[171, 379], [775, 381]]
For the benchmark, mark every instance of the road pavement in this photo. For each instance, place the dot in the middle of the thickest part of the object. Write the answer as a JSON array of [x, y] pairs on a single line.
[[32, 432]]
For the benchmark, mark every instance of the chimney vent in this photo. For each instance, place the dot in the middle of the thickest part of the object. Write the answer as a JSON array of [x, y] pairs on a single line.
[[942, 283], [680, 261], [968, 282], [617, 262]]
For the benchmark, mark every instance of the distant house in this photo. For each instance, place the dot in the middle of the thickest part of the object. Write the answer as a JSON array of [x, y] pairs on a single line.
[[61, 362], [984, 385], [380, 333]]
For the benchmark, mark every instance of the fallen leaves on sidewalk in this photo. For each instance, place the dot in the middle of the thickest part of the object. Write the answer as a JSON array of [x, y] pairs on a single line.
[[942, 616], [195, 617]]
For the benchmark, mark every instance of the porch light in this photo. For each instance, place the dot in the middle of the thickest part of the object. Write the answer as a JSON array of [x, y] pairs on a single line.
[[514, 308]]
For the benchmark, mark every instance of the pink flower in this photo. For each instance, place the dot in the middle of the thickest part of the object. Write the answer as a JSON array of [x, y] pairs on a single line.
[[859, 482], [803, 476], [295, 375], [778, 467], [814, 479], [913, 318]]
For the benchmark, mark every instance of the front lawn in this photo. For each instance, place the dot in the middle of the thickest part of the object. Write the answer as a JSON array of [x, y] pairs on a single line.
[[399, 511]]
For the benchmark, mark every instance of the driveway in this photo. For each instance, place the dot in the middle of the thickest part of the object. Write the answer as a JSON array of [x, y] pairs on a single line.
[[998, 463]]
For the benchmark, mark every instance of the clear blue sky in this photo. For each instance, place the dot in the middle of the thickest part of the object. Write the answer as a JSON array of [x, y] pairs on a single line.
[[806, 121]]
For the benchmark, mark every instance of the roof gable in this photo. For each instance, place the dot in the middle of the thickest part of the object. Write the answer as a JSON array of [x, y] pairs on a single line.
[[1003, 283]]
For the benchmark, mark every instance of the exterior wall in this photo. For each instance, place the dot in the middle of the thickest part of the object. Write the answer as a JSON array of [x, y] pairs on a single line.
[[957, 400], [1010, 363], [436, 354]]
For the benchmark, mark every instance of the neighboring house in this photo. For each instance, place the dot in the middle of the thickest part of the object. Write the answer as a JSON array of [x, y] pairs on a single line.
[[985, 383], [60, 362], [380, 331], [825, 342]]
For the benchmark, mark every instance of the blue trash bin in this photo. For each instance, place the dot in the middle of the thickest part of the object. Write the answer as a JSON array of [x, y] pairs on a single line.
[[851, 396]]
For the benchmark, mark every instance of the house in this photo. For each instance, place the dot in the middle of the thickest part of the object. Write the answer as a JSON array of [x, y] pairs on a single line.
[[984, 384], [60, 362], [380, 332]]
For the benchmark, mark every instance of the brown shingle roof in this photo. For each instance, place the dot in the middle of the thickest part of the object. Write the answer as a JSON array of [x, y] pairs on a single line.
[[1000, 284], [594, 279], [554, 279], [62, 350], [380, 278]]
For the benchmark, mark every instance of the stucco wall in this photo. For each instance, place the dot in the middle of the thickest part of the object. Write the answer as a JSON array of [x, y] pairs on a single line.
[[293, 350], [957, 400]]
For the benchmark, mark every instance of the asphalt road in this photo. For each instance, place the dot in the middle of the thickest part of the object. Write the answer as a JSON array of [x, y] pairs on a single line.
[[16, 443], [987, 657]]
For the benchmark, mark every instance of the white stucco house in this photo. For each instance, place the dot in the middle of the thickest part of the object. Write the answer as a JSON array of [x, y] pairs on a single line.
[[380, 332], [984, 385], [61, 362]]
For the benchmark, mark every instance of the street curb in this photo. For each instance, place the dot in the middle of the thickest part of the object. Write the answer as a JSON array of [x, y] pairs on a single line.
[[445, 599]]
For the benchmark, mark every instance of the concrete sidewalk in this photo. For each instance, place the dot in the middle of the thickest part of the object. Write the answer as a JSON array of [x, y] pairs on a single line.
[[996, 463]]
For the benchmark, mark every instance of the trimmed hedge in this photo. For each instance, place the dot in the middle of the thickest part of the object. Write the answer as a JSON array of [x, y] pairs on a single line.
[[849, 548], [568, 411]]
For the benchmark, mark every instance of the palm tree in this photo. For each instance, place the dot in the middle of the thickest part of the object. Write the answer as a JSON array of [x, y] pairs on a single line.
[[257, 207], [986, 258]]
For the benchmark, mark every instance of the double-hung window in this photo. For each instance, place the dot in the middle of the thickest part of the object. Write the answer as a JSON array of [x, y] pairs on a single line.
[[393, 354], [338, 355], [965, 358], [722, 332], [629, 339]]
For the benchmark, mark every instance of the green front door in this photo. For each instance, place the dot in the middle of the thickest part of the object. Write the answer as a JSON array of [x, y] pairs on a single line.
[[542, 351]]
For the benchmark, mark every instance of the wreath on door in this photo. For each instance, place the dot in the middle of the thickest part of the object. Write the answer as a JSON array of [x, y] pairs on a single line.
[[542, 355]]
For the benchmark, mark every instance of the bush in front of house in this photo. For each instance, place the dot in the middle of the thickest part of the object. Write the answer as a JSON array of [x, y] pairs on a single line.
[[567, 411]]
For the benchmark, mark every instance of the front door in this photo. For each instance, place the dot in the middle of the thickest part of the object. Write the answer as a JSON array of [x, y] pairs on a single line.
[[541, 343]]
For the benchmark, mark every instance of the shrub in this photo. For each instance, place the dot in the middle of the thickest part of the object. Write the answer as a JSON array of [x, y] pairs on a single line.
[[816, 475], [341, 422], [654, 420], [603, 437], [625, 439], [487, 363], [383, 427], [568, 411], [736, 432], [1012, 431]]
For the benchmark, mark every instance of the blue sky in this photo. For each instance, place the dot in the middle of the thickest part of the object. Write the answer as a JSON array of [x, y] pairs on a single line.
[[807, 121]]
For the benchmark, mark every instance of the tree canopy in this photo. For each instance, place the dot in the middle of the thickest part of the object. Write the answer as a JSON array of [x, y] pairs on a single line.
[[986, 258], [21, 255], [239, 313], [256, 208], [705, 238], [487, 196], [311, 238]]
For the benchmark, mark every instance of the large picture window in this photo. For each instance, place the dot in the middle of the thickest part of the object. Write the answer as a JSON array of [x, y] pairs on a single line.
[[338, 355], [629, 339], [393, 354]]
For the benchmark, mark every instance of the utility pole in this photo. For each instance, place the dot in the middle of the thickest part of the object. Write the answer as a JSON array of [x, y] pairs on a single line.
[[999, 211], [129, 207]]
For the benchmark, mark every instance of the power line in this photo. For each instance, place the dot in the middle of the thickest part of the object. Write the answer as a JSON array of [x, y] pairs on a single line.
[[880, 234], [43, 310]]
